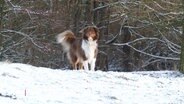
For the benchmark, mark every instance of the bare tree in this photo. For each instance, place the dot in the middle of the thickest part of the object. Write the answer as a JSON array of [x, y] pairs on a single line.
[[182, 44], [134, 35]]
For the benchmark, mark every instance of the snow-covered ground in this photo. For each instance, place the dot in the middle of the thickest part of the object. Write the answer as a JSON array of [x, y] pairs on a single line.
[[26, 84]]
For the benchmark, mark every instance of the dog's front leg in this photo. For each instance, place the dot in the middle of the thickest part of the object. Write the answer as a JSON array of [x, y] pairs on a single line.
[[85, 63], [92, 64]]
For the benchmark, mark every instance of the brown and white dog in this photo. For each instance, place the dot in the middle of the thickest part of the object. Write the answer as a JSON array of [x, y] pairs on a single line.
[[80, 51]]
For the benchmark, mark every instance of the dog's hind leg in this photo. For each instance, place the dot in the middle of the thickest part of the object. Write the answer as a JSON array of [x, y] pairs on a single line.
[[80, 66], [74, 66]]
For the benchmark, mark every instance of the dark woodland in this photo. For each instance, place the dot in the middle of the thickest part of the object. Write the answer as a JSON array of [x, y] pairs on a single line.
[[135, 35]]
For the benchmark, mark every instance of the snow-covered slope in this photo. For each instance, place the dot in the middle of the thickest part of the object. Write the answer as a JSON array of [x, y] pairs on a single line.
[[26, 84]]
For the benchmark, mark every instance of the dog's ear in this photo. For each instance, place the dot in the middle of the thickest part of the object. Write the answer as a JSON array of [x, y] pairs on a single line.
[[97, 32]]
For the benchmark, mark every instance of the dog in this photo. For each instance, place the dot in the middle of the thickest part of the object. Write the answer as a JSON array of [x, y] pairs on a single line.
[[81, 52]]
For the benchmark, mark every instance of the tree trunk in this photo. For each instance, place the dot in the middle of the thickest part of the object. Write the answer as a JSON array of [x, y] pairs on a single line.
[[182, 45], [182, 53], [77, 16], [89, 11], [1, 12], [1, 25]]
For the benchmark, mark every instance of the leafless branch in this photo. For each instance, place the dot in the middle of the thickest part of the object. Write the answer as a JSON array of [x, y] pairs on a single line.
[[23, 34], [155, 56]]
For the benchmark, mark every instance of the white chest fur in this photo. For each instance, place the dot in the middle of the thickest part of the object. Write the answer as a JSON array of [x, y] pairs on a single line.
[[89, 48]]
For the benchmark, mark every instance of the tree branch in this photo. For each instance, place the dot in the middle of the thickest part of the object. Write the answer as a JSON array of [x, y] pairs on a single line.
[[148, 54], [23, 34]]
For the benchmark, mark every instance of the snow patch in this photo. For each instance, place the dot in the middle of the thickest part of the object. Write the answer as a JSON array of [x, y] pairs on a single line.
[[48, 86]]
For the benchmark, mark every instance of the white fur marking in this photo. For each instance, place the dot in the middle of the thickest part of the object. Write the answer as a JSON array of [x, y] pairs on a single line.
[[92, 64], [89, 48], [85, 63], [61, 39]]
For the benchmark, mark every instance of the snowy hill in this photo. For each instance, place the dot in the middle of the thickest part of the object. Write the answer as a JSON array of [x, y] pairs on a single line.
[[26, 84]]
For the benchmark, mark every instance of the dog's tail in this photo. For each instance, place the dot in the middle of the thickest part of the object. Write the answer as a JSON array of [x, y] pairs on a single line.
[[66, 38]]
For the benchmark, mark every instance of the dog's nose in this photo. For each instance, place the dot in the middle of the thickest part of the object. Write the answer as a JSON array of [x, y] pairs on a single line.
[[90, 39]]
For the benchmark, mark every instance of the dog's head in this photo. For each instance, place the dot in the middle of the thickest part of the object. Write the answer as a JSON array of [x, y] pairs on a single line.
[[90, 33]]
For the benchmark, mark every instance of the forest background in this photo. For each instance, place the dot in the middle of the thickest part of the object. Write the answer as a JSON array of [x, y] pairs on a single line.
[[135, 35]]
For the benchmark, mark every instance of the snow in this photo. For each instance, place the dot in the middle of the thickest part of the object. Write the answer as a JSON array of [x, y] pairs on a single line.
[[26, 84]]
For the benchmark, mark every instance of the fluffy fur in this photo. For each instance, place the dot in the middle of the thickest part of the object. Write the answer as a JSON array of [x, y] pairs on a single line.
[[80, 51]]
